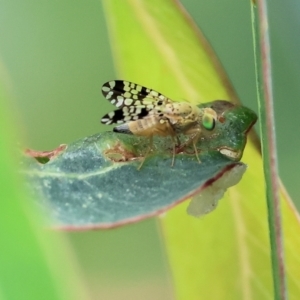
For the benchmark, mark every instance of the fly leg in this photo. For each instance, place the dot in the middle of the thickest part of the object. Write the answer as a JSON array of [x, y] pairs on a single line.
[[147, 152], [175, 140], [161, 127], [175, 145], [194, 134], [195, 140]]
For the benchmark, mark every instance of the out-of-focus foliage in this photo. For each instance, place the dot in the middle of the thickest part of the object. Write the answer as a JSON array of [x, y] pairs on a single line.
[[57, 54]]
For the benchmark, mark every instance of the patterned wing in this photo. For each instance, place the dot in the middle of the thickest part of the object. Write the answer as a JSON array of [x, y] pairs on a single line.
[[133, 101]]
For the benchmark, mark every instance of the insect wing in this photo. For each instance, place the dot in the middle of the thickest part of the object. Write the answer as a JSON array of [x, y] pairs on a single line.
[[134, 101]]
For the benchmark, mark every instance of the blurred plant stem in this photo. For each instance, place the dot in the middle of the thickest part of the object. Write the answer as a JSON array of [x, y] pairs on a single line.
[[260, 29]]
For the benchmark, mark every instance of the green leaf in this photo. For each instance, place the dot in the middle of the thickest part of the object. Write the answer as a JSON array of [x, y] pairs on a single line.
[[94, 182], [225, 255]]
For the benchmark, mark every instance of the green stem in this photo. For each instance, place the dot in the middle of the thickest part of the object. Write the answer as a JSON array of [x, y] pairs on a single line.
[[268, 141]]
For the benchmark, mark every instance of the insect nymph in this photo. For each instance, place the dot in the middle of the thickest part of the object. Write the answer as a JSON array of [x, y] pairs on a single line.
[[145, 112]]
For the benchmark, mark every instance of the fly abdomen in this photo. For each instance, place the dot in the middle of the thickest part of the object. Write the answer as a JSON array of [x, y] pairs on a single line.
[[124, 128], [143, 126]]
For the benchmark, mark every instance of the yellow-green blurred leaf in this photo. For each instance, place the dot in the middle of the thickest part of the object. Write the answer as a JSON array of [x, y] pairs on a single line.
[[225, 255]]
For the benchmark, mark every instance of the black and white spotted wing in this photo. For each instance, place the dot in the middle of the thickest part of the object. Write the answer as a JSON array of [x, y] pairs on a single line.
[[133, 101]]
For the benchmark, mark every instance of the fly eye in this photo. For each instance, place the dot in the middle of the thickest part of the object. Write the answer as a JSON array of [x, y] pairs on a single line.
[[208, 121]]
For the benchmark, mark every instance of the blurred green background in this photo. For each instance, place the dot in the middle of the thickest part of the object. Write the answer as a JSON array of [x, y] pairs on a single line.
[[57, 56]]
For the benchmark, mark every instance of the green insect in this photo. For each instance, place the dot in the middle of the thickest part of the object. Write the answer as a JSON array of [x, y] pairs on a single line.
[[146, 112]]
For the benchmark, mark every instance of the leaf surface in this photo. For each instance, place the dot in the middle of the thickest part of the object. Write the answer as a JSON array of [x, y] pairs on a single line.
[[94, 182]]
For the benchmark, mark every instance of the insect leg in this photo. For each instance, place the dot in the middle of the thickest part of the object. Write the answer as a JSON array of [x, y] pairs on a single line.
[[194, 135], [175, 140], [174, 149], [148, 150], [195, 139]]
